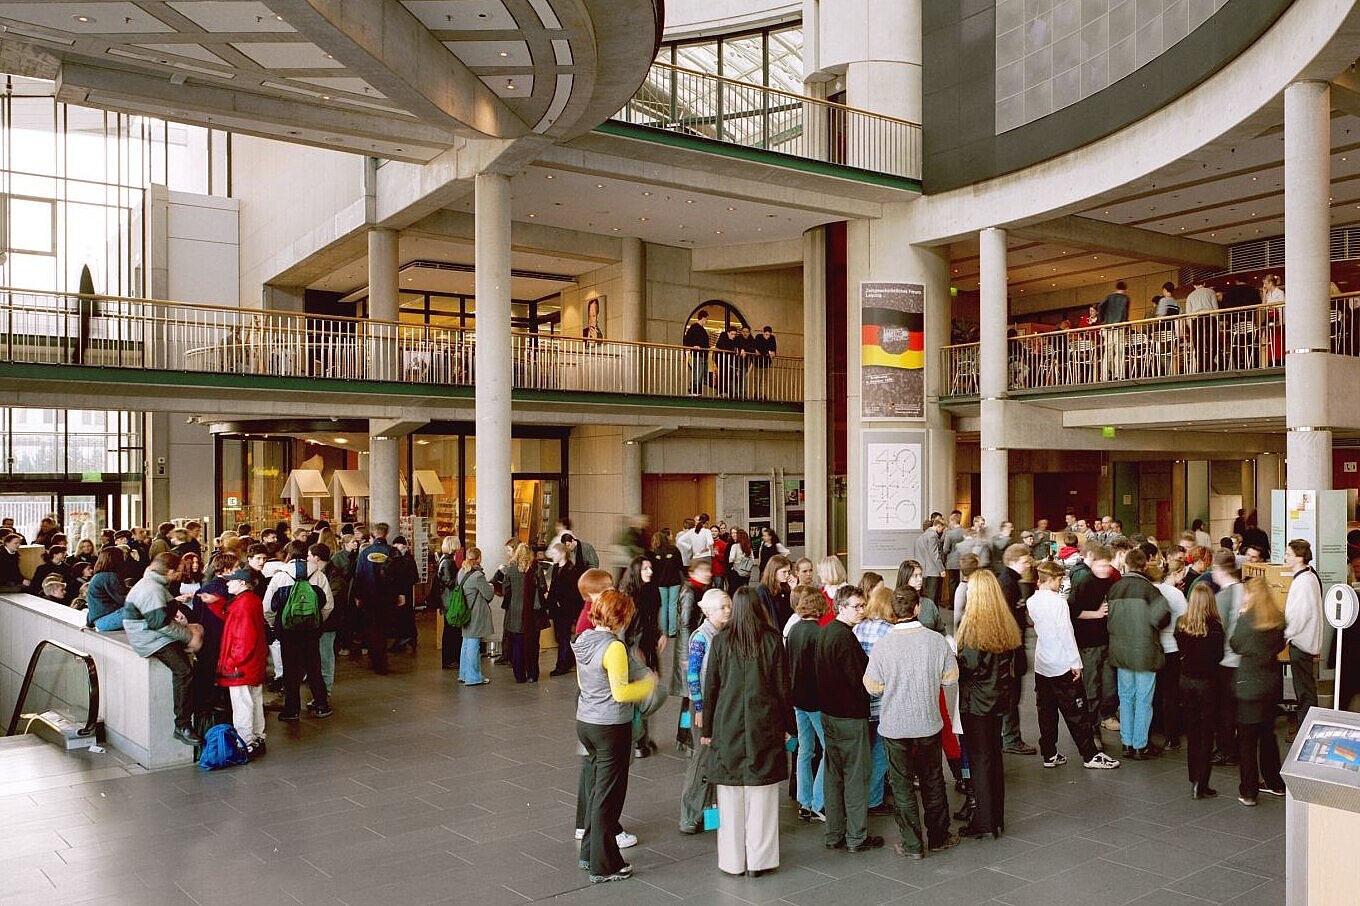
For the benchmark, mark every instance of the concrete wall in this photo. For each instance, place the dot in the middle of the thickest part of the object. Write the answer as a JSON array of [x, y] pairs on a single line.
[[695, 18], [190, 469], [294, 201], [595, 475]]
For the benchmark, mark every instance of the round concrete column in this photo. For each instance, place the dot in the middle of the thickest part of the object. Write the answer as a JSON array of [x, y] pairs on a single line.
[[633, 291], [816, 464], [383, 277], [495, 360], [1307, 224], [992, 356], [384, 483]]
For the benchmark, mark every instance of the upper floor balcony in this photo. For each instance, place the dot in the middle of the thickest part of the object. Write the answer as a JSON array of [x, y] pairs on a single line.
[[1207, 346], [43, 334], [692, 109]]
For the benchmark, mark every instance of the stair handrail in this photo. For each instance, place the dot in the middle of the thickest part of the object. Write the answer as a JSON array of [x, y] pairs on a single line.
[[92, 719]]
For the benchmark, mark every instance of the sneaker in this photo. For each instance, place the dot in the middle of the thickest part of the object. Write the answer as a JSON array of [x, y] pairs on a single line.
[[1248, 801], [949, 842], [871, 842], [1102, 762], [1110, 723], [1269, 792], [322, 712], [804, 814], [623, 874], [914, 855], [187, 736], [256, 749], [292, 716], [1056, 760], [1020, 748], [625, 840], [816, 816]]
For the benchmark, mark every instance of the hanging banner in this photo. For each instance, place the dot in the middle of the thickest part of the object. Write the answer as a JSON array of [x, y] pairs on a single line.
[[892, 349]]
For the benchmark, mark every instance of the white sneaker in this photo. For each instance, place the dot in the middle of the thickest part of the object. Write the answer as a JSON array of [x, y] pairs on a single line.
[[1102, 762], [580, 833], [817, 816], [1057, 759], [625, 840]]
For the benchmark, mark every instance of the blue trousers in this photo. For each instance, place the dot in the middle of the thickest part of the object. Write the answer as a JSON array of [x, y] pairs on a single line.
[[878, 765], [810, 792], [1135, 705], [670, 600], [470, 661]]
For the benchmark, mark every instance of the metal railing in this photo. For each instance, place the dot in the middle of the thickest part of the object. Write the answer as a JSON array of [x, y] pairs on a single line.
[[58, 329], [754, 116], [1223, 341]]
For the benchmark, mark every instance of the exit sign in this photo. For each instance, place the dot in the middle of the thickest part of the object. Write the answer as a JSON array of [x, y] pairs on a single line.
[[1350, 467]]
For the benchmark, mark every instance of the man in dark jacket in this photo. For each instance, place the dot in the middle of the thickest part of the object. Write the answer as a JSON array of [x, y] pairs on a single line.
[[1113, 309], [697, 340], [1016, 560], [1091, 580], [1137, 614], [372, 594], [844, 701]]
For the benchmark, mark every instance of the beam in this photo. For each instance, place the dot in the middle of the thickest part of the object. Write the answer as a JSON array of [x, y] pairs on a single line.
[[1031, 427], [754, 256], [396, 427], [524, 237], [1118, 239]]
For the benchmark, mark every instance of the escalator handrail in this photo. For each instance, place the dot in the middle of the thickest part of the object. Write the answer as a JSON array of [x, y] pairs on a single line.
[[92, 719]]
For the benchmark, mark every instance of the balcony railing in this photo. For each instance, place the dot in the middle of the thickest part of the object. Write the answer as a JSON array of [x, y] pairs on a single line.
[[1223, 341], [63, 329], [753, 116]]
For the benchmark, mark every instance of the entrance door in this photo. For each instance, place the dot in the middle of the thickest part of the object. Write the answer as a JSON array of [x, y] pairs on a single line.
[[669, 499], [1059, 493]]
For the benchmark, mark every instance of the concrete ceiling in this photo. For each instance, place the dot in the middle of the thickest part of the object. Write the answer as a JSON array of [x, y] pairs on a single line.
[[403, 79]]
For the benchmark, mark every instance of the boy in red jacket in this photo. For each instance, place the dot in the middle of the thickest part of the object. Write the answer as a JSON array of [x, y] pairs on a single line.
[[241, 664]]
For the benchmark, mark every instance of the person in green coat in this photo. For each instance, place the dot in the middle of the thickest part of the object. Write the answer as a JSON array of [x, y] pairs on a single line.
[[1137, 614]]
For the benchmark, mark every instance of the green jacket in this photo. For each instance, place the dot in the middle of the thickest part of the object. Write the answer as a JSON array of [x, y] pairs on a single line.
[[1137, 614]]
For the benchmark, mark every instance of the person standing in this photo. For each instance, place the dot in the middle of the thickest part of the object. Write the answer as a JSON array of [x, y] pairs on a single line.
[[697, 341], [1228, 600], [1090, 580], [1257, 637], [766, 347], [611, 682], [669, 575], [241, 660], [697, 794], [518, 583], [301, 644], [908, 668], [1167, 712], [1303, 623], [1057, 675], [1137, 614], [402, 576], [477, 594], [748, 718], [1016, 560], [844, 703], [949, 544], [373, 596], [987, 640], [930, 554], [801, 641], [1199, 638], [1113, 309], [564, 604]]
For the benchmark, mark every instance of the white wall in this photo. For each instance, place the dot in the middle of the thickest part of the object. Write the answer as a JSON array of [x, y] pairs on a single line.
[[294, 201], [693, 18], [192, 248]]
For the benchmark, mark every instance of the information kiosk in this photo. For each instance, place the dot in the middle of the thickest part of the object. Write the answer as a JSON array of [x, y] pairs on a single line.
[[1322, 810]]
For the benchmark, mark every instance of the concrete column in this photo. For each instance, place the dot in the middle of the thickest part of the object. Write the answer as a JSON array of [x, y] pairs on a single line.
[[156, 505], [631, 492], [816, 464], [995, 465], [1307, 222], [942, 440], [1267, 480], [633, 292], [495, 366], [384, 482]]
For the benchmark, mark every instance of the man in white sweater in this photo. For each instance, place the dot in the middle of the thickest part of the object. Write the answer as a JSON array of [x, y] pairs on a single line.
[[1057, 674], [1303, 622]]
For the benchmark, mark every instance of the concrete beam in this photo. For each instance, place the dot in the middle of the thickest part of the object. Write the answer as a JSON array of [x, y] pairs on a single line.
[[396, 427], [756, 256], [407, 192], [524, 237], [1030, 427], [642, 435], [1269, 404], [383, 43], [1118, 239]]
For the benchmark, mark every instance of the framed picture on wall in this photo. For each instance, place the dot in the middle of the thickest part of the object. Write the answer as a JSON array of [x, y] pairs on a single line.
[[592, 324]]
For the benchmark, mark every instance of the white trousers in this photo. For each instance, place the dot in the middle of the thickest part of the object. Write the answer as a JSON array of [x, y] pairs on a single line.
[[748, 828], [247, 711]]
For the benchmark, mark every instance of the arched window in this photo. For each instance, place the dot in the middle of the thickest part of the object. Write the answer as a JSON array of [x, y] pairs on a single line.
[[720, 315]]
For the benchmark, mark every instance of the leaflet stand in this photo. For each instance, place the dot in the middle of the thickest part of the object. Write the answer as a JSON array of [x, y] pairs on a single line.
[[1322, 810]]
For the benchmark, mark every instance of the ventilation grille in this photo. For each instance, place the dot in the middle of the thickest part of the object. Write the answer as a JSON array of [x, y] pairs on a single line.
[[1261, 254]]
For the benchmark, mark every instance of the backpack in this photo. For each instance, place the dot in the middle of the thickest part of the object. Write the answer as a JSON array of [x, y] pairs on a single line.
[[744, 564], [222, 748], [457, 613], [301, 609]]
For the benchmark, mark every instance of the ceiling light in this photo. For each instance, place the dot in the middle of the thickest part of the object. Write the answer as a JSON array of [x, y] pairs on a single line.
[[616, 229], [730, 209], [646, 193], [717, 232], [549, 176], [509, 86], [503, 53], [84, 20], [325, 97], [599, 185], [689, 201], [533, 215], [342, 440], [642, 219]]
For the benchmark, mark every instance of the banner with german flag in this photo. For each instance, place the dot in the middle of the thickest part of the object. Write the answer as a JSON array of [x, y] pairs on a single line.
[[892, 349]]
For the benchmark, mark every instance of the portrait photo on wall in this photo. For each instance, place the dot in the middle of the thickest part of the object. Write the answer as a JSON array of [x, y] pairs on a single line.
[[593, 324]]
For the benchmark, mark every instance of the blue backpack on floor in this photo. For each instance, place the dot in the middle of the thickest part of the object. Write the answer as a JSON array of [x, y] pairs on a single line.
[[222, 748]]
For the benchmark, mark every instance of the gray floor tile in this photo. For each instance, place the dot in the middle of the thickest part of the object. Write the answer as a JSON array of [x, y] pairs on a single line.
[[1219, 884]]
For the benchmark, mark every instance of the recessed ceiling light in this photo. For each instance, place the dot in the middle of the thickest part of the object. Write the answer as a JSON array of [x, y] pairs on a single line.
[[642, 219], [689, 201], [647, 194], [325, 97], [531, 216], [509, 86], [717, 232], [503, 53], [342, 440], [731, 208], [616, 229], [84, 20], [278, 17], [549, 176], [599, 185]]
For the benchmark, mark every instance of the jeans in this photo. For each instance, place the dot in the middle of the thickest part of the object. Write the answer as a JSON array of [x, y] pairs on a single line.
[[470, 661], [878, 765], [1200, 700], [920, 758], [181, 675], [1064, 695], [301, 658], [1305, 680], [1136, 688], [810, 790], [110, 622], [328, 661], [847, 779], [1098, 677], [607, 764], [670, 600]]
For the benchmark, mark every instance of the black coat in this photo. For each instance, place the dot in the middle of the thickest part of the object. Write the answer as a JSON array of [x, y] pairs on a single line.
[[1258, 675], [986, 682], [747, 711], [564, 598]]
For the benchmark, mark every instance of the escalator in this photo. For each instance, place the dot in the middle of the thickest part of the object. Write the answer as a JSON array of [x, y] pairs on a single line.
[[59, 698]]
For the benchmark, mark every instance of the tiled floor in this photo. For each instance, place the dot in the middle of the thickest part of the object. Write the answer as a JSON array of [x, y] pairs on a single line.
[[421, 791]]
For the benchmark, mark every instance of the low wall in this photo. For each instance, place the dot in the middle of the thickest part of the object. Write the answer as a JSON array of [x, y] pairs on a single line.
[[135, 701]]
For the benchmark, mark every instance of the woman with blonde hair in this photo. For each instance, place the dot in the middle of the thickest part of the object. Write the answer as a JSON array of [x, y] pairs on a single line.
[[1258, 636], [987, 682], [520, 585], [1199, 638], [878, 621]]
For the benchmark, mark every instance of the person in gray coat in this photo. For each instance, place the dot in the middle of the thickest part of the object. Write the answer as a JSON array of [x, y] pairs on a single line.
[[930, 554], [949, 543], [478, 594], [152, 631]]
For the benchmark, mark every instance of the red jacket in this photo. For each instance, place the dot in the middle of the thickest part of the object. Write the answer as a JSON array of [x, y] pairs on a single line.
[[244, 648]]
